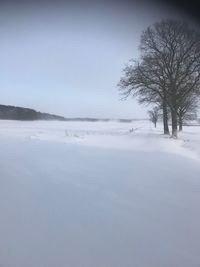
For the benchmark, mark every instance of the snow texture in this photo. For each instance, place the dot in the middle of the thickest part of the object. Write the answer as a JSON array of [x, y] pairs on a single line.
[[98, 194]]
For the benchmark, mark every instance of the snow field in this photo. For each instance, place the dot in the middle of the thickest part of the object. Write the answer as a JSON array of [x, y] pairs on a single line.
[[96, 194]]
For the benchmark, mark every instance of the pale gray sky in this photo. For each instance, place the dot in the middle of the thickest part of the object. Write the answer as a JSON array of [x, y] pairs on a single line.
[[68, 58]]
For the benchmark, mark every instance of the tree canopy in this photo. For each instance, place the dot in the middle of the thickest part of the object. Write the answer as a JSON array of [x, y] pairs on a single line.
[[168, 70]]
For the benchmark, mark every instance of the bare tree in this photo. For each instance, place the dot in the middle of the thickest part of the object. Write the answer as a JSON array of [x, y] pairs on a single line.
[[154, 115], [187, 109], [169, 67], [143, 80]]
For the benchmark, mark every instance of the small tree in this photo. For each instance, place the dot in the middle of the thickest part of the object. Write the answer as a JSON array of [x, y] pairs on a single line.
[[187, 109], [154, 115]]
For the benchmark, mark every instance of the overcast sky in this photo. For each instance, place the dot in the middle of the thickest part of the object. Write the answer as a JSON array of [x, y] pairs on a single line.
[[68, 58]]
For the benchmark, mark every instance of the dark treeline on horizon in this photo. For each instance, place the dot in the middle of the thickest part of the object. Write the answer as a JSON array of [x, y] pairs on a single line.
[[25, 114], [8, 112]]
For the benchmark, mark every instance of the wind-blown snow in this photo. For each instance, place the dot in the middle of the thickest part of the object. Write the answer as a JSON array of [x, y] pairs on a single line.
[[97, 194]]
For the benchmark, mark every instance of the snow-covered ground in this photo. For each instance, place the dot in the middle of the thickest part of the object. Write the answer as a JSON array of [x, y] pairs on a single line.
[[98, 194]]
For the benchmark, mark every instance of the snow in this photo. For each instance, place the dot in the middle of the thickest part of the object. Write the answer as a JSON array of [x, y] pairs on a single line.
[[85, 194]]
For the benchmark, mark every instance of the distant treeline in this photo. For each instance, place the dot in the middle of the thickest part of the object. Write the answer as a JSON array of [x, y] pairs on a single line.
[[104, 120], [86, 119], [25, 114]]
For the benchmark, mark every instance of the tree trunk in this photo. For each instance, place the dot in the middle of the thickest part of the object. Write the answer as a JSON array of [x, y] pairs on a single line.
[[155, 124], [165, 117], [174, 124], [180, 122]]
